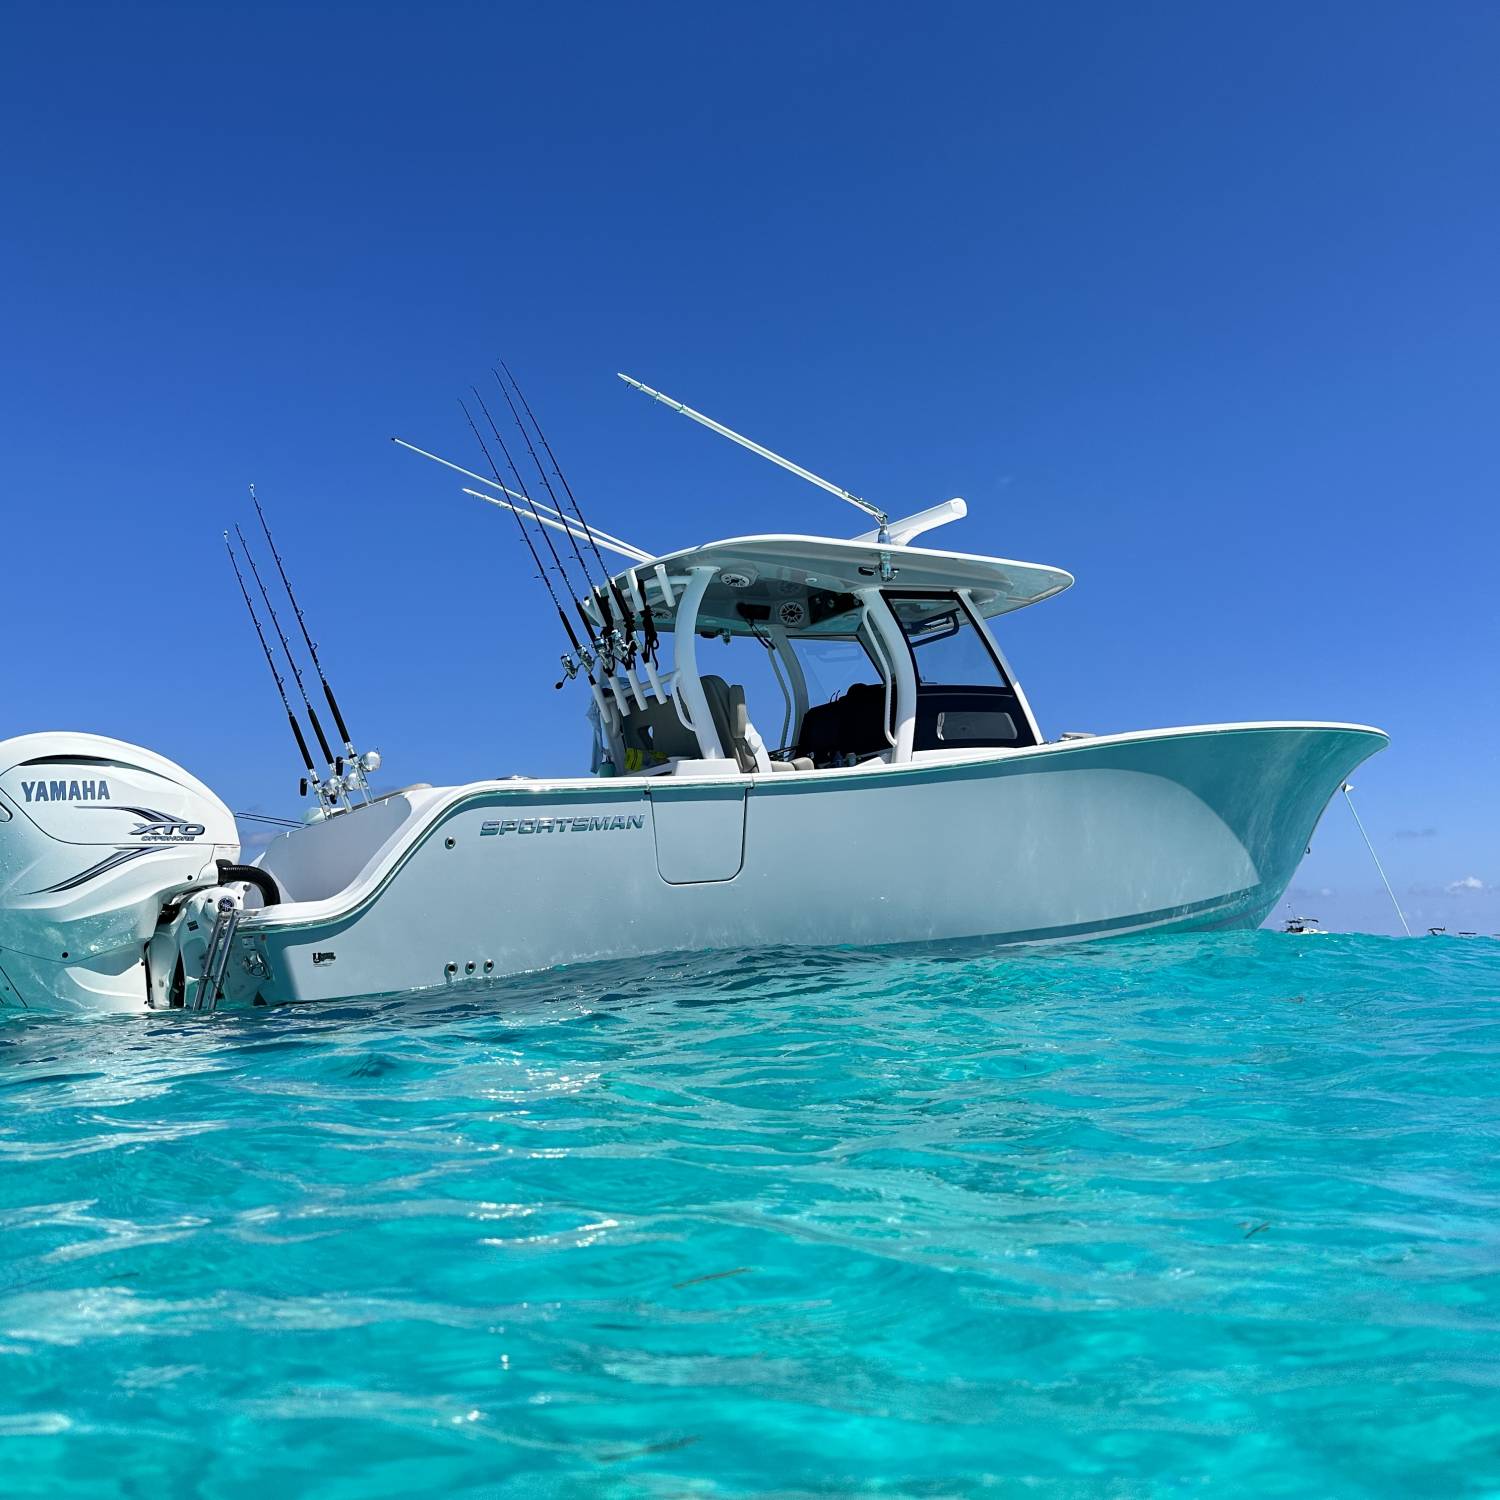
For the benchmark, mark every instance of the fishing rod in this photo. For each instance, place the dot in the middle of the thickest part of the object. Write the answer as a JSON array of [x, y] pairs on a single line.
[[584, 660], [647, 621], [606, 648], [583, 567], [358, 764], [334, 785], [556, 467], [613, 647], [291, 718]]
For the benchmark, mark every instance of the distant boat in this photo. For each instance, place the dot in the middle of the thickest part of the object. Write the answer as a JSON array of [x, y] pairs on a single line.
[[1304, 927]]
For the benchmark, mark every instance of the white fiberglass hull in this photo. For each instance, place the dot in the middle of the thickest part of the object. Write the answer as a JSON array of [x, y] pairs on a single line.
[[1183, 829]]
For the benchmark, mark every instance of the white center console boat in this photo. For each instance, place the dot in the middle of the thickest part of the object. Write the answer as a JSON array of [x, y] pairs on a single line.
[[819, 741]]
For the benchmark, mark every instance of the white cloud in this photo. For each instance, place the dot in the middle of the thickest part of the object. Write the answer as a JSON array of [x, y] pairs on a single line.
[[1468, 886]]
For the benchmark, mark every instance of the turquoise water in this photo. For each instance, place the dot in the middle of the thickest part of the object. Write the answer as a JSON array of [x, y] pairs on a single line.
[[1207, 1214]]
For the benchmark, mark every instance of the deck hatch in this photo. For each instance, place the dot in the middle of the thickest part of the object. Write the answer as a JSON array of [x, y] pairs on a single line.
[[699, 831]]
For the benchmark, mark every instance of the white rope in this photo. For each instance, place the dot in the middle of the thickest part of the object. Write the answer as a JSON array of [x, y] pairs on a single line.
[[1346, 789]]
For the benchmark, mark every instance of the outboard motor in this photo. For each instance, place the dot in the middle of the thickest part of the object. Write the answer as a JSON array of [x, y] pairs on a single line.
[[97, 838]]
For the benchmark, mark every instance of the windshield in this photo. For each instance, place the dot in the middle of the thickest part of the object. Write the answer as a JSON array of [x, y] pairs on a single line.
[[946, 645], [831, 665]]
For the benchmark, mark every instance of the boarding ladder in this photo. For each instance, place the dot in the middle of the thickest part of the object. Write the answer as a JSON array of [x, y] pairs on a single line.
[[216, 957]]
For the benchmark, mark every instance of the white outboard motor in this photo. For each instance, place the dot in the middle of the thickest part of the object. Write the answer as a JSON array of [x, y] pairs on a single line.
[[96, 837]]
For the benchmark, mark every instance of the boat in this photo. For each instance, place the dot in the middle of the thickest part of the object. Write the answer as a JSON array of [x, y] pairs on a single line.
[[880, 778], [1304, 927]]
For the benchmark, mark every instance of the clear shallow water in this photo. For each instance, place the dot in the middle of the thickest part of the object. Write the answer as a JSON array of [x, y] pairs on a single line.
[[1205, 1214]]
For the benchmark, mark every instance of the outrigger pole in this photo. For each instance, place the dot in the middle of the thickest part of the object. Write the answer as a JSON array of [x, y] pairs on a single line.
[[881, 518], [609, 543], [635, 554], [291, 718]]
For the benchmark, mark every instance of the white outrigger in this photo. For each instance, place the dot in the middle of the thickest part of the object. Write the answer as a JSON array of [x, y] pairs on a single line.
[[900, 791]]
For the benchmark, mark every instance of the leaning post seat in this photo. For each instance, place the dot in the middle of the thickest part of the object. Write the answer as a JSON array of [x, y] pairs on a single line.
[[853, 724], [726, 702], [658, 733]]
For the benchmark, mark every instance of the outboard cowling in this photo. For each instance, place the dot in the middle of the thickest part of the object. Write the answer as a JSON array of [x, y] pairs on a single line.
[[96, 837]]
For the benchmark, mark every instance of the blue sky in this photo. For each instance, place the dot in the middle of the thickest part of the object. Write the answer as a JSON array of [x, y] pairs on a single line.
[[1198, 302]]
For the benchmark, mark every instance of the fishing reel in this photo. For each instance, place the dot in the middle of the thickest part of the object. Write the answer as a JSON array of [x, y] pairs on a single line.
[[354, 773], [346, 775], [326, 789], [622, 648]]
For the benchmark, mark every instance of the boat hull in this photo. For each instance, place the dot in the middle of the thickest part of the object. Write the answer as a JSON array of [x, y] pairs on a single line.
[[1161, 830]]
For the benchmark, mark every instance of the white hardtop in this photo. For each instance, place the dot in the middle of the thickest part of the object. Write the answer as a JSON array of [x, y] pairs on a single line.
[[774, 567]]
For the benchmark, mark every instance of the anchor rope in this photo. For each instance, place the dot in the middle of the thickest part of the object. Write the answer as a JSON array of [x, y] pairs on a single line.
[[1373, 855]]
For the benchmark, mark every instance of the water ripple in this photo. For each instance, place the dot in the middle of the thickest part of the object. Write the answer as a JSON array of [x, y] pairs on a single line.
[[1130, 1218]]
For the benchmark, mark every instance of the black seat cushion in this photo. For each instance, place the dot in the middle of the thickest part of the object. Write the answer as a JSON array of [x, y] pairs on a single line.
[[853, 724]]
